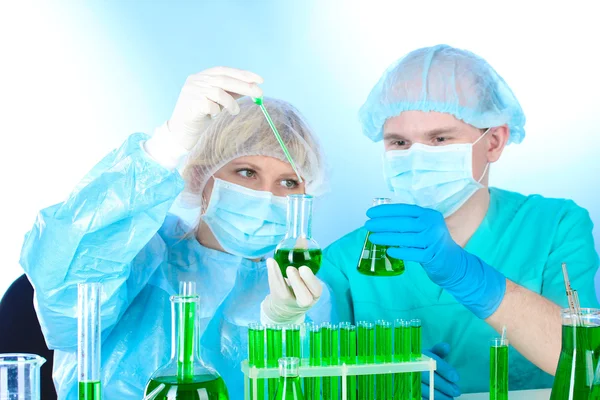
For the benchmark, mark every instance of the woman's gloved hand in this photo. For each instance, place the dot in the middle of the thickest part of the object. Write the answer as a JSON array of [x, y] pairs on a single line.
[[445, 378], [288, 303]]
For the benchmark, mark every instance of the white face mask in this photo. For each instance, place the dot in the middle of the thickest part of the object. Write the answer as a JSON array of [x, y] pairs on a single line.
[[437, 177]]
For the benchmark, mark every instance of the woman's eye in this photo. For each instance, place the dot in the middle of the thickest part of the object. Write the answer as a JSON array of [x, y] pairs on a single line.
[[289, 183], [247, 173], [441, 139], [399, 143]]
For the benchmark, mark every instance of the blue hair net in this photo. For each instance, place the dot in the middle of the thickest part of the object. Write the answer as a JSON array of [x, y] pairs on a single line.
[[448, 80]]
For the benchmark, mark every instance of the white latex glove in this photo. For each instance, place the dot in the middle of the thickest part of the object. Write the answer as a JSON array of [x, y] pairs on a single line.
[[203, 96], [288, 304]]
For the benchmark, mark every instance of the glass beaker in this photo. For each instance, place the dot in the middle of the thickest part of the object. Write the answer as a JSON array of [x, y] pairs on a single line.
[[579, 354], [185, 376], [374, 260], [289, 387], [20, 376], [298, 248]]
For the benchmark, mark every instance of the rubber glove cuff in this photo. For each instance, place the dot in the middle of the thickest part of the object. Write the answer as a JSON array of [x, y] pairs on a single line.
[[281, 313], [164, 149]]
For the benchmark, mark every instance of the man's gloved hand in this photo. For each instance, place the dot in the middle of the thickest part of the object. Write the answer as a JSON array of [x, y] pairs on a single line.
[[421, 235], [288, 304], [445, 378]]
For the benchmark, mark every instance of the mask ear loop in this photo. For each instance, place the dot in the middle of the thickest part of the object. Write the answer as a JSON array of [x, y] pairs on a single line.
[[488, 164]]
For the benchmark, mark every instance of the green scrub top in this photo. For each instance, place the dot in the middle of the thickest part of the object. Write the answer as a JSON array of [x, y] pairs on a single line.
[[526, 238]]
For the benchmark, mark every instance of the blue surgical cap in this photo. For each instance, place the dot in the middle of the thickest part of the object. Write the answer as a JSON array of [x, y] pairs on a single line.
[[447, 80]]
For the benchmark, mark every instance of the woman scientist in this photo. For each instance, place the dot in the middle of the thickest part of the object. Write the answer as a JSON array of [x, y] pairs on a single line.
[[115, 228]]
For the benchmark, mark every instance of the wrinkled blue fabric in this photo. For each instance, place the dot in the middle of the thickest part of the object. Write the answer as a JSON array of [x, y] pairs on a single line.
[[115, 228], [447, 80]]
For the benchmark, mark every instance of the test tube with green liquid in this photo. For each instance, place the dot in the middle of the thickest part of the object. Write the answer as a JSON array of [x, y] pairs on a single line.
[[499, 369], [383, 354], [292, 341], [274, 353], [416, 353], [329, 341], [402, 353], [312, 386], [366, 355], [256, 358], [88, 341], [348, 356]]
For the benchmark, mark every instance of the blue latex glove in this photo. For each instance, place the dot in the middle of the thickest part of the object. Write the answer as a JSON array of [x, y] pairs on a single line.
[[420, 234], [445, 377]]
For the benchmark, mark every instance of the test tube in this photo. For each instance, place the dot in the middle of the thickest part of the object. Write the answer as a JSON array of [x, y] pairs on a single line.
[[402, 353], [274, 353], [383, 354], [366, 355], [330, 340], [348, 356], [88, 343], [312, 386], [415, 346], [292, 341], [499, 369], [256, 358]]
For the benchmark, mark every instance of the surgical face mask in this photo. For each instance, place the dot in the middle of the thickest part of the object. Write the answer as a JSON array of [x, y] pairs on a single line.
[[437, 177], [248, 223]]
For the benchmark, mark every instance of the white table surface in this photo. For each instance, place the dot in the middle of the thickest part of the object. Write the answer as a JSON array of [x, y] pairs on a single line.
[[541, 394]]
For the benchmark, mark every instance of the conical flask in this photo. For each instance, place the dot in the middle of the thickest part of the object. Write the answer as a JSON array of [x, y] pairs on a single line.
[[185, 376], [374, 260], [298, 248], [289, 387], [578, 356], [20, 376]]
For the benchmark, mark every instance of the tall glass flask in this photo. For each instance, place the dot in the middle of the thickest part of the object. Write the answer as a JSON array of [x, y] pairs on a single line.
[[298, 248], [185, 376], [88, 341], [374, 260], [289, 387]]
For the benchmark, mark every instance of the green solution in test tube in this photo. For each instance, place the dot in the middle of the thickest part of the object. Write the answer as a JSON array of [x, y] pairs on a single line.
[[256, 358], [348, 356], [415, 350], [383, 354], [259, 101], [292, 341], [331, 385], [327, 358], [305, 327], [88, 341], [402, 353], [312, 386], [499, 369], [366, 355], [274, 353]]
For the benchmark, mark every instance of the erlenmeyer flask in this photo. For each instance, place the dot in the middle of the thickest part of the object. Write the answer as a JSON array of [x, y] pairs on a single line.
[[20, 376], [578, 356], [185, 376], [374, 260], [298, 248], [289, 387]]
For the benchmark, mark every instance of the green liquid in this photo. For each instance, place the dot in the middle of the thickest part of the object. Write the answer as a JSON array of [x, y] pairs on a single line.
[[595, 393], [312, 386], [187, 327], [90, 390], [383, 354], [292, 342], [274, 353], [374, 261], [289, 389], [499, 373], [415, 345], [348, 356], [579, 354], [366, 355], [256, 358], [402, 353], [202, 387], [296, 258], [330, 340]]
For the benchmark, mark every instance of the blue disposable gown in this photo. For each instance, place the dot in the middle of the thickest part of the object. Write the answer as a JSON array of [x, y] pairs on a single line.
[[115, 229], [527, 238]]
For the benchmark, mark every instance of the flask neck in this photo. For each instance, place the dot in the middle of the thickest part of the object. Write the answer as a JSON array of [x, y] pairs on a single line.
[[184, 337], [299, 216]]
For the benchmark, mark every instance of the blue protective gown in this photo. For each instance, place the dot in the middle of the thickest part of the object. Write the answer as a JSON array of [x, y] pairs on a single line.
[[115, 228], [524, 237]]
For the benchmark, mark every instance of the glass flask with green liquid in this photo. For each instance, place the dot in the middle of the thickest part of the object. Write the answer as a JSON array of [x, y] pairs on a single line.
[[374, 260], [185, 376], [289, 387], [578, 356], [298, 248]]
